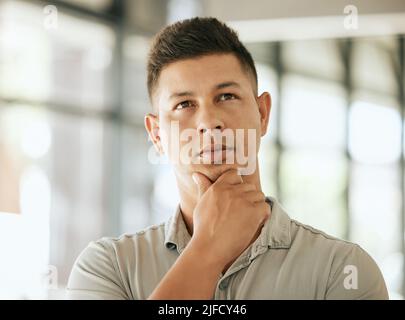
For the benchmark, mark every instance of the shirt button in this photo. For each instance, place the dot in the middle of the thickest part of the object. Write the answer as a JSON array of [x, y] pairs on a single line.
[[224, 284], [171, 246]]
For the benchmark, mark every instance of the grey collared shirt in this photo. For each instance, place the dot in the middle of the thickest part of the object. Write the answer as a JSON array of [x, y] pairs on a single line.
[[289, 260]]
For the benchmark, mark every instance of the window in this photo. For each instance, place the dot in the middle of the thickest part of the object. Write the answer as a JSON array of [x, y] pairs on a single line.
[[56, 97], [333, 158]]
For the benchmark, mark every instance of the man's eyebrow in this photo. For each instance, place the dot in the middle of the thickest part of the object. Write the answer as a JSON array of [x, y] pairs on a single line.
[[181, 94], [227, 84], [216, 87]]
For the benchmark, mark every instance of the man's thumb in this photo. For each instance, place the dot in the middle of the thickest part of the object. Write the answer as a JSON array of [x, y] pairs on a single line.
[[202, 182]]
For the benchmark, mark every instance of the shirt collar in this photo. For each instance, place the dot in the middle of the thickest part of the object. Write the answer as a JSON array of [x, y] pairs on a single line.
[[275, 232], [176, 233]]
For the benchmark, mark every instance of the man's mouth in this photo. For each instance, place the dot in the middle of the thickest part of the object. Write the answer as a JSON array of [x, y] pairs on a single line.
[[216, 153]]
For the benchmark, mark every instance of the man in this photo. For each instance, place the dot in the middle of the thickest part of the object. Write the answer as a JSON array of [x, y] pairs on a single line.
[[226, 239]]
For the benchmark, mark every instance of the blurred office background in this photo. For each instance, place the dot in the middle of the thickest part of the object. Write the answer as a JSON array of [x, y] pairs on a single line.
[[74, 153]]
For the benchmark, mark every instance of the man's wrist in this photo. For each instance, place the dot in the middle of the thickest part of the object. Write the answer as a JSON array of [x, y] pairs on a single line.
[[204, 255]]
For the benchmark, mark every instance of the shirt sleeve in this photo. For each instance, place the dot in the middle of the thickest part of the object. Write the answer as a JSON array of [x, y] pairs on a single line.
[[94, 277], [356, 277]]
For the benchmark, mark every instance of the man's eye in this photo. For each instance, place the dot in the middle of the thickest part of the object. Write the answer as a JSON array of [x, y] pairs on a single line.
[[183, 105], [227, 96]]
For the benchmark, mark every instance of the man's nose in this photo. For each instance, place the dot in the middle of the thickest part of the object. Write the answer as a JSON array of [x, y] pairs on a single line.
[[209, 120]]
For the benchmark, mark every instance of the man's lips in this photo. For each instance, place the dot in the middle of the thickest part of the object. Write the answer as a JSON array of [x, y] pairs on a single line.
[[211, 150]]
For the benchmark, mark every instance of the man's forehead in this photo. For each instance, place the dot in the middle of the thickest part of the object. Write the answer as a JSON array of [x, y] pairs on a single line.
[[208, 72]]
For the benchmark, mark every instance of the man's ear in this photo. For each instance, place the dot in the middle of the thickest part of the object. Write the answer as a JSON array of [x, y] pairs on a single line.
[[151, 122], [264, 102]]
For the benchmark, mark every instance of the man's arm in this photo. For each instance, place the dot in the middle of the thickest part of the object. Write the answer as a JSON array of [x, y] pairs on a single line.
[[227, 216], [193, 276]]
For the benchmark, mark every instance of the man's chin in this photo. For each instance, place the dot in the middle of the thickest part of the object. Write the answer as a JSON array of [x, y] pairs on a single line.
[[213, 171]]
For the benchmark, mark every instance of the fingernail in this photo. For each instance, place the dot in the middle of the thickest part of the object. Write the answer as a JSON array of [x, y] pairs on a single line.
[[194, 178]]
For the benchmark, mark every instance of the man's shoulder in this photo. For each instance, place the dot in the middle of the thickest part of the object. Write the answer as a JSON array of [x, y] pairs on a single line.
[[303, 234], [301, 237], [151, 235], [341, 261], [320, 245], [107, 264]]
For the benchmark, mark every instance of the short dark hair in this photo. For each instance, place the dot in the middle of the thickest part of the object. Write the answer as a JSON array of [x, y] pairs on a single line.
[[192, 38]]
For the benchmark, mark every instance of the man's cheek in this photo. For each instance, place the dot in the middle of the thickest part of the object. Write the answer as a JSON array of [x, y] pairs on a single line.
[[246, 150], [180, 142]]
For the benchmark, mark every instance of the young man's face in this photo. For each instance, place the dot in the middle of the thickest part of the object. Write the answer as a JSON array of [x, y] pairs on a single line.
[[205, 96]]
